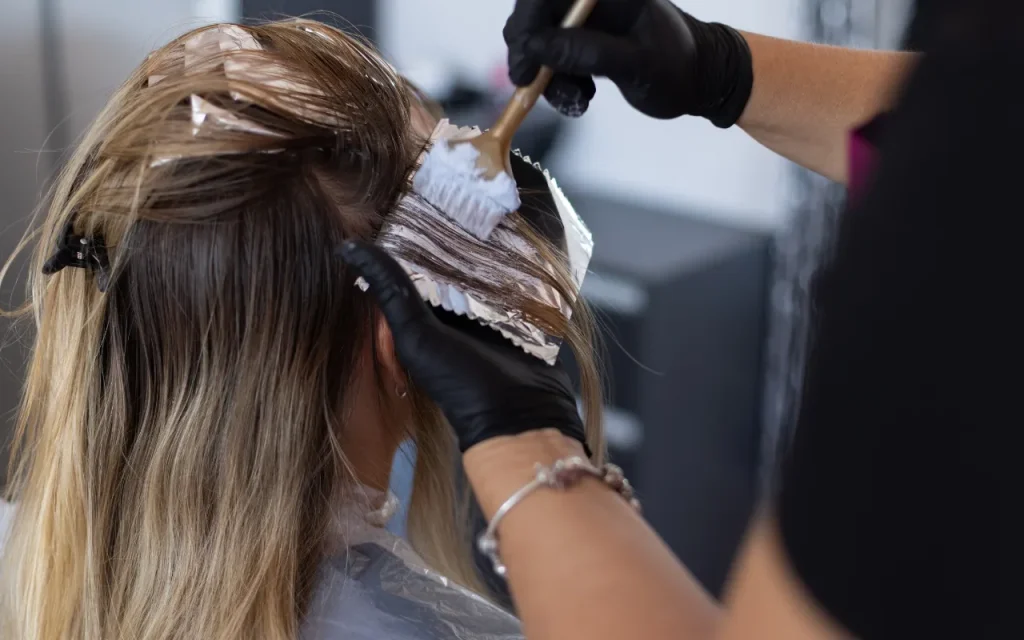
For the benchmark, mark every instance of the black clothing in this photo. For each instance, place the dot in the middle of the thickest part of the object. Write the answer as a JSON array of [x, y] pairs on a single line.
[[895, 500]]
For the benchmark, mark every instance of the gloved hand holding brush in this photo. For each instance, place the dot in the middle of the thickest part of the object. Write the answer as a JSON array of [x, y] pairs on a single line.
[[665, 62], [806, 100]]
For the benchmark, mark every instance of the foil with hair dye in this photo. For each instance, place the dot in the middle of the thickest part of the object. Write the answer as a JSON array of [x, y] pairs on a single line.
[[223, 47], [426, 242], [202, 52]]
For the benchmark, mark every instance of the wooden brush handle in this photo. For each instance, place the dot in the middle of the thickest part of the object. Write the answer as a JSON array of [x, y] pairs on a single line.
[[525, 97]]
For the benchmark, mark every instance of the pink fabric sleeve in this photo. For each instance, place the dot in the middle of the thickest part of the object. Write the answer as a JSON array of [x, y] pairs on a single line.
[[863, 156]]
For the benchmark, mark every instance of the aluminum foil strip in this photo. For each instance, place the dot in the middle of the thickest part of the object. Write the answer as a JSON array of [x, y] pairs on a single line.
[[213, 47], [417, 228]]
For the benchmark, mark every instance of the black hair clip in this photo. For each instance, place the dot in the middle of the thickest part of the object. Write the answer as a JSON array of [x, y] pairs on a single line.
[[82, 252]]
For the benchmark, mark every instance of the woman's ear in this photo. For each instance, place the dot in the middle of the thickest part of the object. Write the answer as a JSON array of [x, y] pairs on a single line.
[[385, 345]]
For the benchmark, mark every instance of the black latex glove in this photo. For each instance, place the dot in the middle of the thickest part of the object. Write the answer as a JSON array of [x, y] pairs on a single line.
[[485, 385], [665, 62]]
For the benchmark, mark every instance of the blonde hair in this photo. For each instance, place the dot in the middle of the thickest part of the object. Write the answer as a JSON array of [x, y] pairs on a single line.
[[177, 449]]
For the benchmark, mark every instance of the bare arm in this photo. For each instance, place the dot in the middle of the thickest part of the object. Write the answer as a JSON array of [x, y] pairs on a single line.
[[583, 565], [766, 600], [807, 97]]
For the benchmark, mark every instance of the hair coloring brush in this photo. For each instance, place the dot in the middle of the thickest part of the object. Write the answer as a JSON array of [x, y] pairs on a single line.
[[471, 180]]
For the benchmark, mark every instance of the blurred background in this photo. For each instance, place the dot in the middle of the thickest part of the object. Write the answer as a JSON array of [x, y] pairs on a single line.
[[705, 242]]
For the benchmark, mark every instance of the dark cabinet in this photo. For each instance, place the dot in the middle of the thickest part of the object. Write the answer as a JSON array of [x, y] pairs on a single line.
[[682, 307], [356, 15]]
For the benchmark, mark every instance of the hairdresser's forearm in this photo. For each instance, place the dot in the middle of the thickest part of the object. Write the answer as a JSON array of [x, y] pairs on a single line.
[[807, 97], [581, 563]]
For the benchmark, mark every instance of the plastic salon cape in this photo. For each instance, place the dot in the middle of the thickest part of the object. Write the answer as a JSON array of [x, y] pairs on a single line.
[[375, 587]]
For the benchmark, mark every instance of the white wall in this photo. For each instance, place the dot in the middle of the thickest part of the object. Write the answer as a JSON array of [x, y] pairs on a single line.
[[100, 42], [104, 40], [686, 164], [22, 133], [22, 115]]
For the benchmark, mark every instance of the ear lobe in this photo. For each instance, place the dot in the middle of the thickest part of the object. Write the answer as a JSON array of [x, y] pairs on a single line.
[[386, 356]]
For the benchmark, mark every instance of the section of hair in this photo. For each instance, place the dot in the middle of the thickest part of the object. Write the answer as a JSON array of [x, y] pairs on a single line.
[[177, 452]]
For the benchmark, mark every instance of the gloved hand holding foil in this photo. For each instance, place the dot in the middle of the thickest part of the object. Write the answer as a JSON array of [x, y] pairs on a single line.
[[485, 385]]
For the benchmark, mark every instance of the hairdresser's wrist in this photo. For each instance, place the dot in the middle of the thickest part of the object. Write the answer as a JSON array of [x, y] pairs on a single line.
[[725, 71], [498, 467]]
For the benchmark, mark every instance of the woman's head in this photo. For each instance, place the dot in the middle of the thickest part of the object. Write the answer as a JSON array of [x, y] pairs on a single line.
[[187, 431]]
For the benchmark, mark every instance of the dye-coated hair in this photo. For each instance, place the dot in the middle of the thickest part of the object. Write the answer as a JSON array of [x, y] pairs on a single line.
[[177, 458]]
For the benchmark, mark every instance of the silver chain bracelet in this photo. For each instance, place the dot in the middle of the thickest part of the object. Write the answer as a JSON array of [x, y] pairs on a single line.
[[563, 474]]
